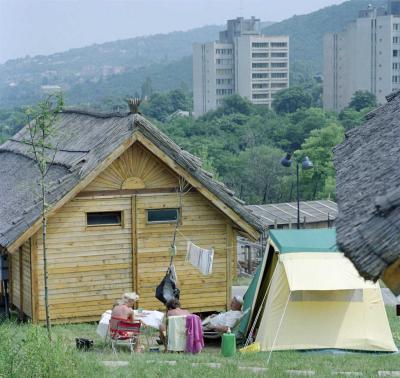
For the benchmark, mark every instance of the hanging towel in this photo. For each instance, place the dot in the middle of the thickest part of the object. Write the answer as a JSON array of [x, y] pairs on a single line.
[[200, 258], [194, 340], [177, 333]]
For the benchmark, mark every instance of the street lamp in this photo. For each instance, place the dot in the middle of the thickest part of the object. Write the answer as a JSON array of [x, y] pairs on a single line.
[[305, 164]]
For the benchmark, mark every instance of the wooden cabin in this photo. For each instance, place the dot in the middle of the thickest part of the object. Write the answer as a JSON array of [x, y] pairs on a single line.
[[113, 194]]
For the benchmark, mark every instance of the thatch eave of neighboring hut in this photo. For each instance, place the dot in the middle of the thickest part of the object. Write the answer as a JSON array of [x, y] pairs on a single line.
[[368, 194], [88, 142]]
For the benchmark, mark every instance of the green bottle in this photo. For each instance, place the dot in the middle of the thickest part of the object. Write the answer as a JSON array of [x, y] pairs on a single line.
[[228, 347]]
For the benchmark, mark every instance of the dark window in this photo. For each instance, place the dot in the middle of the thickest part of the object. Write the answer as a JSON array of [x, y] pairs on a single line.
[[162, 215], [104, 218], [278, 44]]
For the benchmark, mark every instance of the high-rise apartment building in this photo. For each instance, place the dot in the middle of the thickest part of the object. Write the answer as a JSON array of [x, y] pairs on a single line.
[[242, 61], [364, 56]]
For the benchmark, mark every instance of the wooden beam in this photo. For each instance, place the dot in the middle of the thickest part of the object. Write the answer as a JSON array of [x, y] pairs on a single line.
[[129, 192], [21, 285], [391, 277], [34, 280], [253, 233], [73, 192], [229, 236], [10, 280], [134, 245]]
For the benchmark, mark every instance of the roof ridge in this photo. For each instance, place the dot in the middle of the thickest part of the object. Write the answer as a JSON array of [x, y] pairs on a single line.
[[94, 113], [392, 95]]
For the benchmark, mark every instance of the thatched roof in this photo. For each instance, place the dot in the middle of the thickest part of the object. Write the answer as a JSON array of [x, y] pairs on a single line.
[[368, 191], [85, 140]]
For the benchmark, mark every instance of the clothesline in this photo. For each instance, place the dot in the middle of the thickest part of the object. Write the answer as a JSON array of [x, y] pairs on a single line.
[[190, 240]]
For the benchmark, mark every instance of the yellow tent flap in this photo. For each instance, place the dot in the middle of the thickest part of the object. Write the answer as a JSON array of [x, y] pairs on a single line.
[[322, 271]]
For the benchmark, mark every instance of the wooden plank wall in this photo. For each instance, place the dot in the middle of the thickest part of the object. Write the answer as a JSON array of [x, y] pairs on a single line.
[[15, 285], [89, 268], [203, 225], [21, 268], [26, 271]]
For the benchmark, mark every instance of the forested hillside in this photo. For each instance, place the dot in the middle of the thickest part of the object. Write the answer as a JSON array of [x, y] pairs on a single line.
[[306, 32], [119, 66], [92, 74]]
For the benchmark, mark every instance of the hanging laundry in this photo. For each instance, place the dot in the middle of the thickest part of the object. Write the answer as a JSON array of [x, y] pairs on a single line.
[[200, 258], [174, 276]]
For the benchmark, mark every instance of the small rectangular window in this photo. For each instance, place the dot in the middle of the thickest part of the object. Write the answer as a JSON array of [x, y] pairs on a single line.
[[278, 44], [104, 218], [162, 215]]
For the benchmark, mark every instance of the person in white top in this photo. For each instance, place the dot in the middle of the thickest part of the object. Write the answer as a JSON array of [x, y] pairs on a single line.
[[221, 322]]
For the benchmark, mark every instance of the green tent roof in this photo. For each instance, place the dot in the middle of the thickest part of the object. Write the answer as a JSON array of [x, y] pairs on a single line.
[[310, 240]]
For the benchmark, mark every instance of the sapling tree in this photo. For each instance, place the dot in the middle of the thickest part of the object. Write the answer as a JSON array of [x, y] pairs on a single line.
[[40, 137]]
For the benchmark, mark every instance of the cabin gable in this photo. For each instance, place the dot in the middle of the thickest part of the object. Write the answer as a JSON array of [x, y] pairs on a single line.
[[136, 168]]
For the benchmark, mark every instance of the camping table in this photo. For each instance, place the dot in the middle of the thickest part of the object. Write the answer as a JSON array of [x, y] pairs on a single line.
[[151, 319]]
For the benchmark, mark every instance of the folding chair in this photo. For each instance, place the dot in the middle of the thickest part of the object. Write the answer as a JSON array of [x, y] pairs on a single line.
[[123, 332], [176, 334], [211, 334]]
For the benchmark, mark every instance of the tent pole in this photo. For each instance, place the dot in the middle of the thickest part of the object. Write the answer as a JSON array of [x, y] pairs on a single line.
[[260, 308], [279, 328]]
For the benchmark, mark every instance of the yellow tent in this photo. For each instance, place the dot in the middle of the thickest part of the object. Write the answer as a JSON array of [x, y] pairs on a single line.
[[315, 298]]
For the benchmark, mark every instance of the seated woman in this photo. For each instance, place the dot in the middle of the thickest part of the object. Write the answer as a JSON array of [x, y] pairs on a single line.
[[173, 309], [123, 310]]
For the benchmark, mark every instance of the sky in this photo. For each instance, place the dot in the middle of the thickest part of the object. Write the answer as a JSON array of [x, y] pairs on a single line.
[[32, 27]]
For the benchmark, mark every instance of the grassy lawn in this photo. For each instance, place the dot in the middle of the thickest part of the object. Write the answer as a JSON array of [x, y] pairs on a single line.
[[25, 351]]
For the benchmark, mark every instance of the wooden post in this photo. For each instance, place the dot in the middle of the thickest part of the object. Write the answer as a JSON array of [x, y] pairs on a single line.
[[248, 247], [275, 224], [10, 282], [34, 280], [134, 246], [228, 265], [304, 222], [290, 223], [391, 277], [21, 285]]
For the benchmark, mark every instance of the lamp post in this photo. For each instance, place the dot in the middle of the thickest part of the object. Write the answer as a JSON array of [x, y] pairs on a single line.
[[305, 164]]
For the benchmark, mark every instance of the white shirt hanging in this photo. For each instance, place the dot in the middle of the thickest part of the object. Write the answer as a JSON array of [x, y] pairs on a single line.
[[200, 258]]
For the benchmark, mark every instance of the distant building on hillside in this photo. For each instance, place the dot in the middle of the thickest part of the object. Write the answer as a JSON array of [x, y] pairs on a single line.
[[363, 56], [242, 61]]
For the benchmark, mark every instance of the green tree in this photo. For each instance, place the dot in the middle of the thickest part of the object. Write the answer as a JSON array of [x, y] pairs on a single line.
[[178, 100], [257, 175], [291, 99], [40, 126], [319, 182], [362, 99], [301, 123], [350, 118]]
